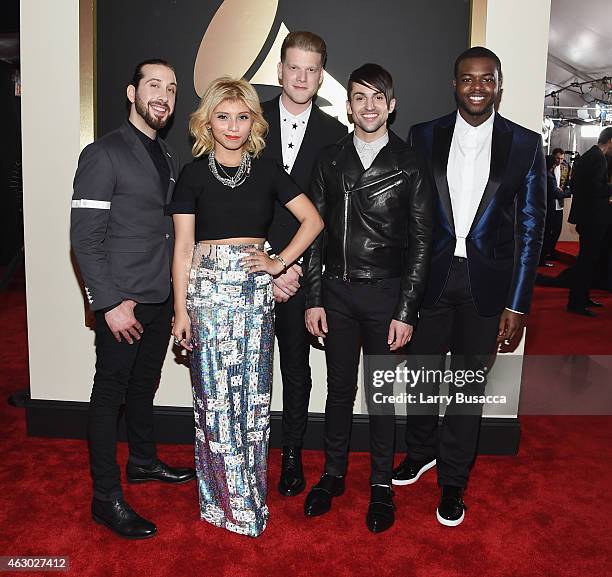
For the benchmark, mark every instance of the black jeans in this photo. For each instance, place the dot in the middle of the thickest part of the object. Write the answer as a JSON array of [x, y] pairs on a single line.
[[452, 324], [294, 353], [126, 373], [591, 243], [358, 315], [554, 224]]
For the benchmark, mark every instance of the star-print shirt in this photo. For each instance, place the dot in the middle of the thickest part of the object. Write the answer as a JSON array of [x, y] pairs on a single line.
[[292, 133]]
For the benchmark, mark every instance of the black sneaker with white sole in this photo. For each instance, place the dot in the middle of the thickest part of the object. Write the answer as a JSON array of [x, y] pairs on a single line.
[[409, 471], [451, 510]]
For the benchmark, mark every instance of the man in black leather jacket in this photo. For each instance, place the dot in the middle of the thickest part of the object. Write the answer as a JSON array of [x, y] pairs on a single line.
[[365, 275]]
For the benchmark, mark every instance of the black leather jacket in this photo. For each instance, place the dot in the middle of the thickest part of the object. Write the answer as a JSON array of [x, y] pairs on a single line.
[[378, 223]]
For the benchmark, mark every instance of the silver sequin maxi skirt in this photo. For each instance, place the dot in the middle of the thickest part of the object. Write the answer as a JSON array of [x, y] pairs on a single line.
[[232, 322]]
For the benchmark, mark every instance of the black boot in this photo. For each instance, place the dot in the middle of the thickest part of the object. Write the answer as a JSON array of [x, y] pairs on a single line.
[[318, 502], [381, 511], [292, 480]]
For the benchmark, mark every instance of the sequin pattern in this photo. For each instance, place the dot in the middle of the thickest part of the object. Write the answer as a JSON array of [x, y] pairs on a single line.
[[232, 320]]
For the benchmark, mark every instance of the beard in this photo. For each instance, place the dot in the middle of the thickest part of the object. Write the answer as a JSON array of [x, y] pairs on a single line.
[[152, 121]]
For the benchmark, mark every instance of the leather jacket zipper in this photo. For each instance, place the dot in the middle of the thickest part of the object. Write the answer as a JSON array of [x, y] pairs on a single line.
[[385, 189], [344, 244], [397, 173]]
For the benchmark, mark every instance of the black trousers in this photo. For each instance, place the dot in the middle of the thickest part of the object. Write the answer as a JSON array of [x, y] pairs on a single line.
[[591, 243], [552, 231], [358, 315], [454, 325], [294, 353], [125, 374]]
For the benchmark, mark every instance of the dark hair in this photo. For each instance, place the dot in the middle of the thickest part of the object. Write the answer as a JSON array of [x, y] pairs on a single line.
[[479, 52], [605, 135], [373, 76], [555, 150], [139, 74], [307, 41]]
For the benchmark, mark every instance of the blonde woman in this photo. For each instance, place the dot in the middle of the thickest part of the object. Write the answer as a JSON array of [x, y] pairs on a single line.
[[222, 207]]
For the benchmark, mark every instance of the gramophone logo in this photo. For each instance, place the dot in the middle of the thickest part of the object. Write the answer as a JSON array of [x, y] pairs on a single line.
[[251, 23]]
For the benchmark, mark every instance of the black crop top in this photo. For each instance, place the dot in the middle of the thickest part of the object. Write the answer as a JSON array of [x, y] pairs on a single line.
[[225, 212]]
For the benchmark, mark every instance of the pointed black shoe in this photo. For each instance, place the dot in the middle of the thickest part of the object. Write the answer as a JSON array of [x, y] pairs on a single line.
[[120, 518], [451, 510], [408, 471], [593, 304], [381, 511], [292, 480], [318, 501], [583, 311], [158, 471]]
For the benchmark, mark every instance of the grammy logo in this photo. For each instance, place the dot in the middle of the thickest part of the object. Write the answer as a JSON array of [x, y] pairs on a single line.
[[239, 29]]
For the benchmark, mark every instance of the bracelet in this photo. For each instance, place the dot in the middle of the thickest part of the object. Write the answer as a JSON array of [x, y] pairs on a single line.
[[279, 258]]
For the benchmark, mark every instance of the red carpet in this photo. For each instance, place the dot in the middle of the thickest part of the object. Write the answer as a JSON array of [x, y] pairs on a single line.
[[544, 513], [551, 330]]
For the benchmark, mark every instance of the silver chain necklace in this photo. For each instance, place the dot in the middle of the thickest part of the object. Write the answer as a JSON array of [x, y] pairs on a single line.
[[244, 170]]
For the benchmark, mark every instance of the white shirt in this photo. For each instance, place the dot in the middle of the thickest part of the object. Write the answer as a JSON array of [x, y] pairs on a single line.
[[557, 173], [293, 129], [368, 151], [469, 162]]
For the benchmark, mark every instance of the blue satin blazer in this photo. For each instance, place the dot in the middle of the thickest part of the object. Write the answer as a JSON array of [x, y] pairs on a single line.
[[504, 242]]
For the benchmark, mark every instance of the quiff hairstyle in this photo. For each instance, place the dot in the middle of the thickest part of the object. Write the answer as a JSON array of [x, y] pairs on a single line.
[[307, 41]]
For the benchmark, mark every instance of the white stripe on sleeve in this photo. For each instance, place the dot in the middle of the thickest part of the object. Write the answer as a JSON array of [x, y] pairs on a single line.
[[87, 203]]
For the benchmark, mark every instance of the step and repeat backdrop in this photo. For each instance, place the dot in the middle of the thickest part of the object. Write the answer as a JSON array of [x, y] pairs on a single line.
[[416, 40]]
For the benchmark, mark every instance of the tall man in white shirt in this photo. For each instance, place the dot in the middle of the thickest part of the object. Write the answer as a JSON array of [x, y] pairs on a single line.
[[489, 176], [298, 130]]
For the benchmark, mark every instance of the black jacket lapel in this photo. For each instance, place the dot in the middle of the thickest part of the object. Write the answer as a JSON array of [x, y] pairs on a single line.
[[309, 142], [138, 149], [500, 151], [273, 141], [348, 163], [171, 165], [442, 139]]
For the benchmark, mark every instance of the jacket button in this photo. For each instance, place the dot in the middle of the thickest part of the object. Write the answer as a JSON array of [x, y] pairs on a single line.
[[167, 235]]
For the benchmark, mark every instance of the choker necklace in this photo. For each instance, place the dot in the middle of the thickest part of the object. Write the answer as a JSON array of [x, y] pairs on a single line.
[[244, 170]]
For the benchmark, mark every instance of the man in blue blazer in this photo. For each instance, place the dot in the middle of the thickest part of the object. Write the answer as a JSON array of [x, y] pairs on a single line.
[[489, 178]]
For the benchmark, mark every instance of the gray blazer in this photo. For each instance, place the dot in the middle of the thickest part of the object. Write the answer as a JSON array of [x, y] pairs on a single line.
[[119, 230]]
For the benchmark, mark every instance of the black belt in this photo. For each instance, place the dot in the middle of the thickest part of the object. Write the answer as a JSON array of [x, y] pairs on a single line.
[[353, 280]]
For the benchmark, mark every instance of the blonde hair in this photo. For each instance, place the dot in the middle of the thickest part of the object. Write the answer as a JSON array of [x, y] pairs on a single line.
[[219, 90]]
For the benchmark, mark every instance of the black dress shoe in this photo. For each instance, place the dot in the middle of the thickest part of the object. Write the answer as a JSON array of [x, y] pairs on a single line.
[[408, 471], [381, 511], [119, 517], [451, 510], [593, 304], [158, 471], [583, 311], [292, 480], [318, 502]]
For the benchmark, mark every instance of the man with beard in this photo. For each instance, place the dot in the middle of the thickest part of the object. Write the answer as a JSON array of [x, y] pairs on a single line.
[[298, 130], [122, 240], [374, 196], [490, 208]]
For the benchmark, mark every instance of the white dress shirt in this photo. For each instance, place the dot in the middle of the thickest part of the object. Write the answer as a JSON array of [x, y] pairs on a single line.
[[469, 162], [557, 173], [293, 129], [368, 151]]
